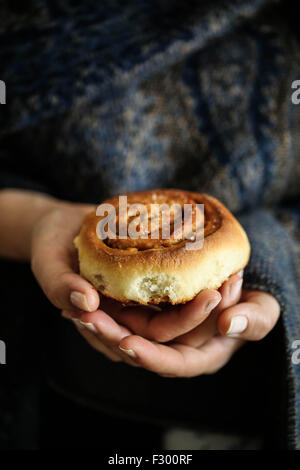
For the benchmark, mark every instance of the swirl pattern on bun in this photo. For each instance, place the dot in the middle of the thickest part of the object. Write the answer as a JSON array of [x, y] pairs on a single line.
[[150, 259], [180, 228]]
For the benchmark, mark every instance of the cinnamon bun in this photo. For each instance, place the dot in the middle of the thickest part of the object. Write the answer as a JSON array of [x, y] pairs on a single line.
[[144, 247]]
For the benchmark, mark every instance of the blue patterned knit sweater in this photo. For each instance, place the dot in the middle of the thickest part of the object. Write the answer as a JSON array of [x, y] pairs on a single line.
[[104, 98]]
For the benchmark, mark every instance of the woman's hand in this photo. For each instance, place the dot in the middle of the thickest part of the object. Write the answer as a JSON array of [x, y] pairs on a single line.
[[187, 340], [54, 264], [54, 259], [184, 341]]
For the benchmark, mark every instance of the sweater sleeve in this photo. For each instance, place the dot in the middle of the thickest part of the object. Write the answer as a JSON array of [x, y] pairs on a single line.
[[274, 267]]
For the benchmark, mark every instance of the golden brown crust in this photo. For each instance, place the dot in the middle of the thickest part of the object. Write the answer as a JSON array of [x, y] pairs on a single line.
[[165, 272]]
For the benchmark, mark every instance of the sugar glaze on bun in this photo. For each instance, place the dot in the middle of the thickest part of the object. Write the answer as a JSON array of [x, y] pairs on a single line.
[[152, 271]]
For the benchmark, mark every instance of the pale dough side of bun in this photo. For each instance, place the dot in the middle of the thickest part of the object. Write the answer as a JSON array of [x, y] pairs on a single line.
[[172, 274]]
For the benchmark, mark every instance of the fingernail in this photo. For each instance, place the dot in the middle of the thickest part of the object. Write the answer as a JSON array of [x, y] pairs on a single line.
[[241, 273], [235, 288], [238, 324], [77, 323], [211, 305], [88, 326], [129, 352], [79, 300]]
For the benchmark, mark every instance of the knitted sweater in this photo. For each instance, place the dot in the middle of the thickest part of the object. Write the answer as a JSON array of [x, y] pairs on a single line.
[[104, 98]]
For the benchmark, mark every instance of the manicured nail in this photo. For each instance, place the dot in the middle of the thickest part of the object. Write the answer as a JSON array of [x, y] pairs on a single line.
[[238, 324], [89, 326], [235, 288], [241, 273], [79, 300], [211, 305], [129, 352], [77, 323]]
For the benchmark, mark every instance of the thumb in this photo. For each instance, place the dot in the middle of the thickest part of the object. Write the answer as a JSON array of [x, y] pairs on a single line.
[[54, 260], [252, 319]]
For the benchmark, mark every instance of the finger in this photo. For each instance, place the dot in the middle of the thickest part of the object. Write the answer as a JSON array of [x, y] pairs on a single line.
[[179, 360], [171, 322], [231, 292], [202, 333], [54, 259], [96, 343], [103, 328], [252, 319]]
